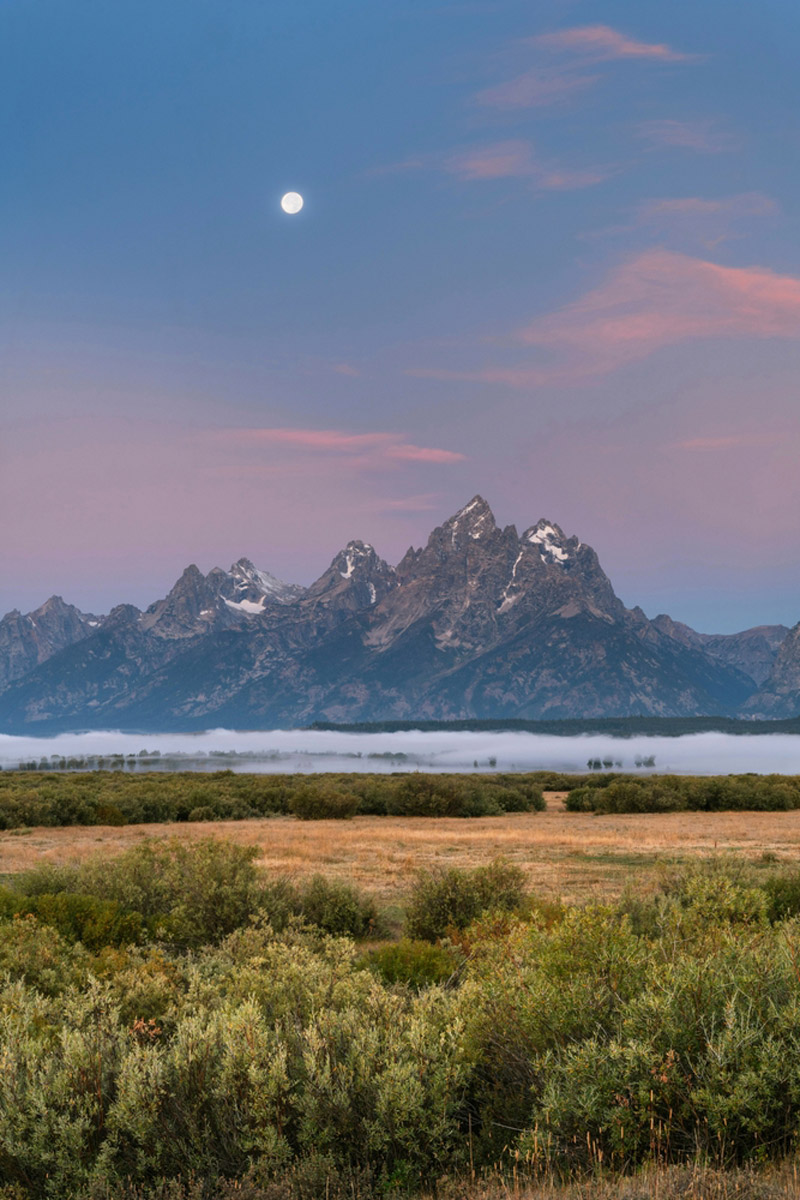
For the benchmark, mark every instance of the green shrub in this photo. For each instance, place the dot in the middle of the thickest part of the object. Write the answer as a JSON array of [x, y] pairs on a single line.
[[272, 1057], [203, 813], [95, 923], [416, 963], [189, 894], [783, 895], [109, 814], [337, 908], [316, 802], [665, 793], [443, 900]]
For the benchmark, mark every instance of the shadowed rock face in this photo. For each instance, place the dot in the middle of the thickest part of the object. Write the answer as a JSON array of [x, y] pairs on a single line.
[[752, 651], [780, 694], [480, 622], [30, 639]]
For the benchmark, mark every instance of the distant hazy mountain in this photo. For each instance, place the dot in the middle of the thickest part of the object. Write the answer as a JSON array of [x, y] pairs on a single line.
[[481, 622], [779, 695], [752, 651], [28, 640]]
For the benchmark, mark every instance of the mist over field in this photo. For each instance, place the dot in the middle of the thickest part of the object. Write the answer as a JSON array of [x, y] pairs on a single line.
[[315, 750]]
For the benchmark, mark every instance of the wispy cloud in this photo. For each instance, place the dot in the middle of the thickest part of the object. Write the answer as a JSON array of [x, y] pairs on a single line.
[[344, 368], [370, 448], [734, 441], [694, 219], [546, 83], [744, 204], [704, 136], [330, 440], [601, 42], [515, 159], [500, 160], [536, 88], [423, 454], [657, 299]]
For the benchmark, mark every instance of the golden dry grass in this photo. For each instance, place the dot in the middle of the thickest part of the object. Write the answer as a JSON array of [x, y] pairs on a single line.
[[696, 1182], [572, 855]]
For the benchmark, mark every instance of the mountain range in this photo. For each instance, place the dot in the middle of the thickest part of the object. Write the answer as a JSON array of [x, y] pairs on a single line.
[[481, 622]]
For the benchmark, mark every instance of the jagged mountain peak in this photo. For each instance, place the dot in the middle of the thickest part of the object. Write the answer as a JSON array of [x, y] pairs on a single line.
[[553, 545], [471, 523], [355, 557], [356, 579], [30, 639], [479, 622], [52, 604], [197, 602], [189, 580], [356, 562], [254, 586]]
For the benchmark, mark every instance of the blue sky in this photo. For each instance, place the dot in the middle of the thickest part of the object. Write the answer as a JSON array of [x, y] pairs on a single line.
[[549, 253]]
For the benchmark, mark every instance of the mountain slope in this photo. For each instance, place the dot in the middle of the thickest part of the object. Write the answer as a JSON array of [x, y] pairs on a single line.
[[779, 696], [752, 650], [30, 639], [480, 622]]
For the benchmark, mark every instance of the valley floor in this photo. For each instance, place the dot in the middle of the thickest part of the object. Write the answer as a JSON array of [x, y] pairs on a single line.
[[574, 856]]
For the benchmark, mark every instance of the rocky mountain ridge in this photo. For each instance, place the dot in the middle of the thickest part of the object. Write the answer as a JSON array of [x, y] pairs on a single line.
[[26, 640], [480, 622]]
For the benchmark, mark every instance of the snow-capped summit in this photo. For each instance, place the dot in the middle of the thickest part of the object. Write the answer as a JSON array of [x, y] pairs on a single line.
[[553, 545], [472, 523], [248, 590], [354, 556], [199, 603], [357, 578], [479, 622]]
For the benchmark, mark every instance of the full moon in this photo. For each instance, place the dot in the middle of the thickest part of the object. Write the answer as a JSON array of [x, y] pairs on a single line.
[[292, 202]]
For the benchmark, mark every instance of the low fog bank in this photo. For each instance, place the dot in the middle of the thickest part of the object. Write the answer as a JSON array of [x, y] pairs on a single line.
[[281, 750]]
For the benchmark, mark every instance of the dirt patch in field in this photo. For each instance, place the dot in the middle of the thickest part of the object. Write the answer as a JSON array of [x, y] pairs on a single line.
[[573, 855]]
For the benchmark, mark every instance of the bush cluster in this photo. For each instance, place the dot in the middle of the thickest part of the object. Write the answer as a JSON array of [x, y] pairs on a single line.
[[184, 896], [444, 901], [114, 798], [236, 1036], [680, 793]]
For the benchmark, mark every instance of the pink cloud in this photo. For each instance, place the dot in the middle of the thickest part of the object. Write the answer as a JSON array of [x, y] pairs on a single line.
[[707, 221], [424, 454], [308, 439], [345, 369], [602, 42], [660, 298], [369, 448], [502, 160], [534, 88], [656, 299], [515, 159], [703, 136], [745, 204]]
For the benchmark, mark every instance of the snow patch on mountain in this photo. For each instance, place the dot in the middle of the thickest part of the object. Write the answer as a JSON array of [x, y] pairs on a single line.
[[247, 606], [507, 599], [353, 553], [550, 541], [247, 577]]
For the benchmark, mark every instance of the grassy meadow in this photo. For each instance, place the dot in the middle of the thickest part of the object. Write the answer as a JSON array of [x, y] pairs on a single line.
[[258, 987]]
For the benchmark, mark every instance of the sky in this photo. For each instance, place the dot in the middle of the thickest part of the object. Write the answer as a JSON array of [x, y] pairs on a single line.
[[548, 253]]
